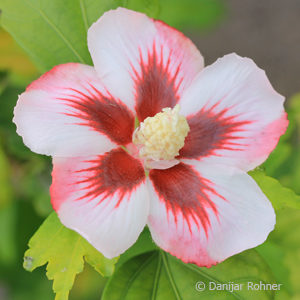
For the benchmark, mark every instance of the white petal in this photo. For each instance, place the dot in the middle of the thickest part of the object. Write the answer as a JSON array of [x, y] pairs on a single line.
[[102, 198], [67, 112], [235, 115], [208, 213], [127, 46]]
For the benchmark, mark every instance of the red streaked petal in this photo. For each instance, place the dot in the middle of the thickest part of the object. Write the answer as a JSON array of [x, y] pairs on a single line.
[[238, 216], [155, 86], [194, 203], [211, 132], [235, 115], [103, 198], [68, 112], [102, 113], [143, 60]]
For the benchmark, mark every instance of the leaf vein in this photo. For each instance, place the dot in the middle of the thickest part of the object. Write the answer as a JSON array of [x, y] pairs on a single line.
[[156, 278], [170, 277], [84, 15], [200, 272], [60, 34], [137, 272]]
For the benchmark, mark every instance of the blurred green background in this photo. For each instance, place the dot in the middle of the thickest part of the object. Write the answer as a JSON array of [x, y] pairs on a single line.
[[267, 31]]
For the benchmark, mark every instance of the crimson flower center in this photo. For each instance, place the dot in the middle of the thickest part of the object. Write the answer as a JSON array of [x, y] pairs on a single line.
[[162, 136]]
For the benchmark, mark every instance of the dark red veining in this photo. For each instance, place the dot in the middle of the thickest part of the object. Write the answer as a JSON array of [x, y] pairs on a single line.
[[155, 87], [211, 131], [114, 172], [185, 192], [104, 114]]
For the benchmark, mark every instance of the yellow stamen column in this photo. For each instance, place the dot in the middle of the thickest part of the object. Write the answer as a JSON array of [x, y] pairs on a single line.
[[162, 136]]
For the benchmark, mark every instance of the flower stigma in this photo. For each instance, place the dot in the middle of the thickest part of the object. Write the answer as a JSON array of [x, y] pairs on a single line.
[[162, 136]]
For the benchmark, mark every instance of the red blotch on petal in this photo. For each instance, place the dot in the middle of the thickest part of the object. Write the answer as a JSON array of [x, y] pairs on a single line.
[[184, 191], [104, 114], [155, 86], [115, 171], [211, 131]]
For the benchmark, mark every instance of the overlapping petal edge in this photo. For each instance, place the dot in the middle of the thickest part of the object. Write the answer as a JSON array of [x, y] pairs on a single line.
[[202, 210]]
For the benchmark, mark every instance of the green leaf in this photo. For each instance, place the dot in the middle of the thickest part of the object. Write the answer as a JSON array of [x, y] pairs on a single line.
[[5, 180], [142, 245], [192, 14], [277, 158], [8, 229], [294, 161], [279, 195], [294, 107], [149, 7], [158, 275], [13, 59], [286, 236], [274, 255], [65, 252], [53, 32]]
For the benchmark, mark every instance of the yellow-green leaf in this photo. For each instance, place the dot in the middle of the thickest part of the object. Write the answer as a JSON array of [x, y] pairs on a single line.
[[279, 195], [13, 58], [64, 251]]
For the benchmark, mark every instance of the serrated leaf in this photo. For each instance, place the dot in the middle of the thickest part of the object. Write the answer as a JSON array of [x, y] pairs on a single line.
[[64, 251], [158, 275], [279, 195]]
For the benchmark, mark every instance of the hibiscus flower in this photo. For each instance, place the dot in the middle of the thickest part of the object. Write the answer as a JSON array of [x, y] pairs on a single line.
[[148, 136]]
